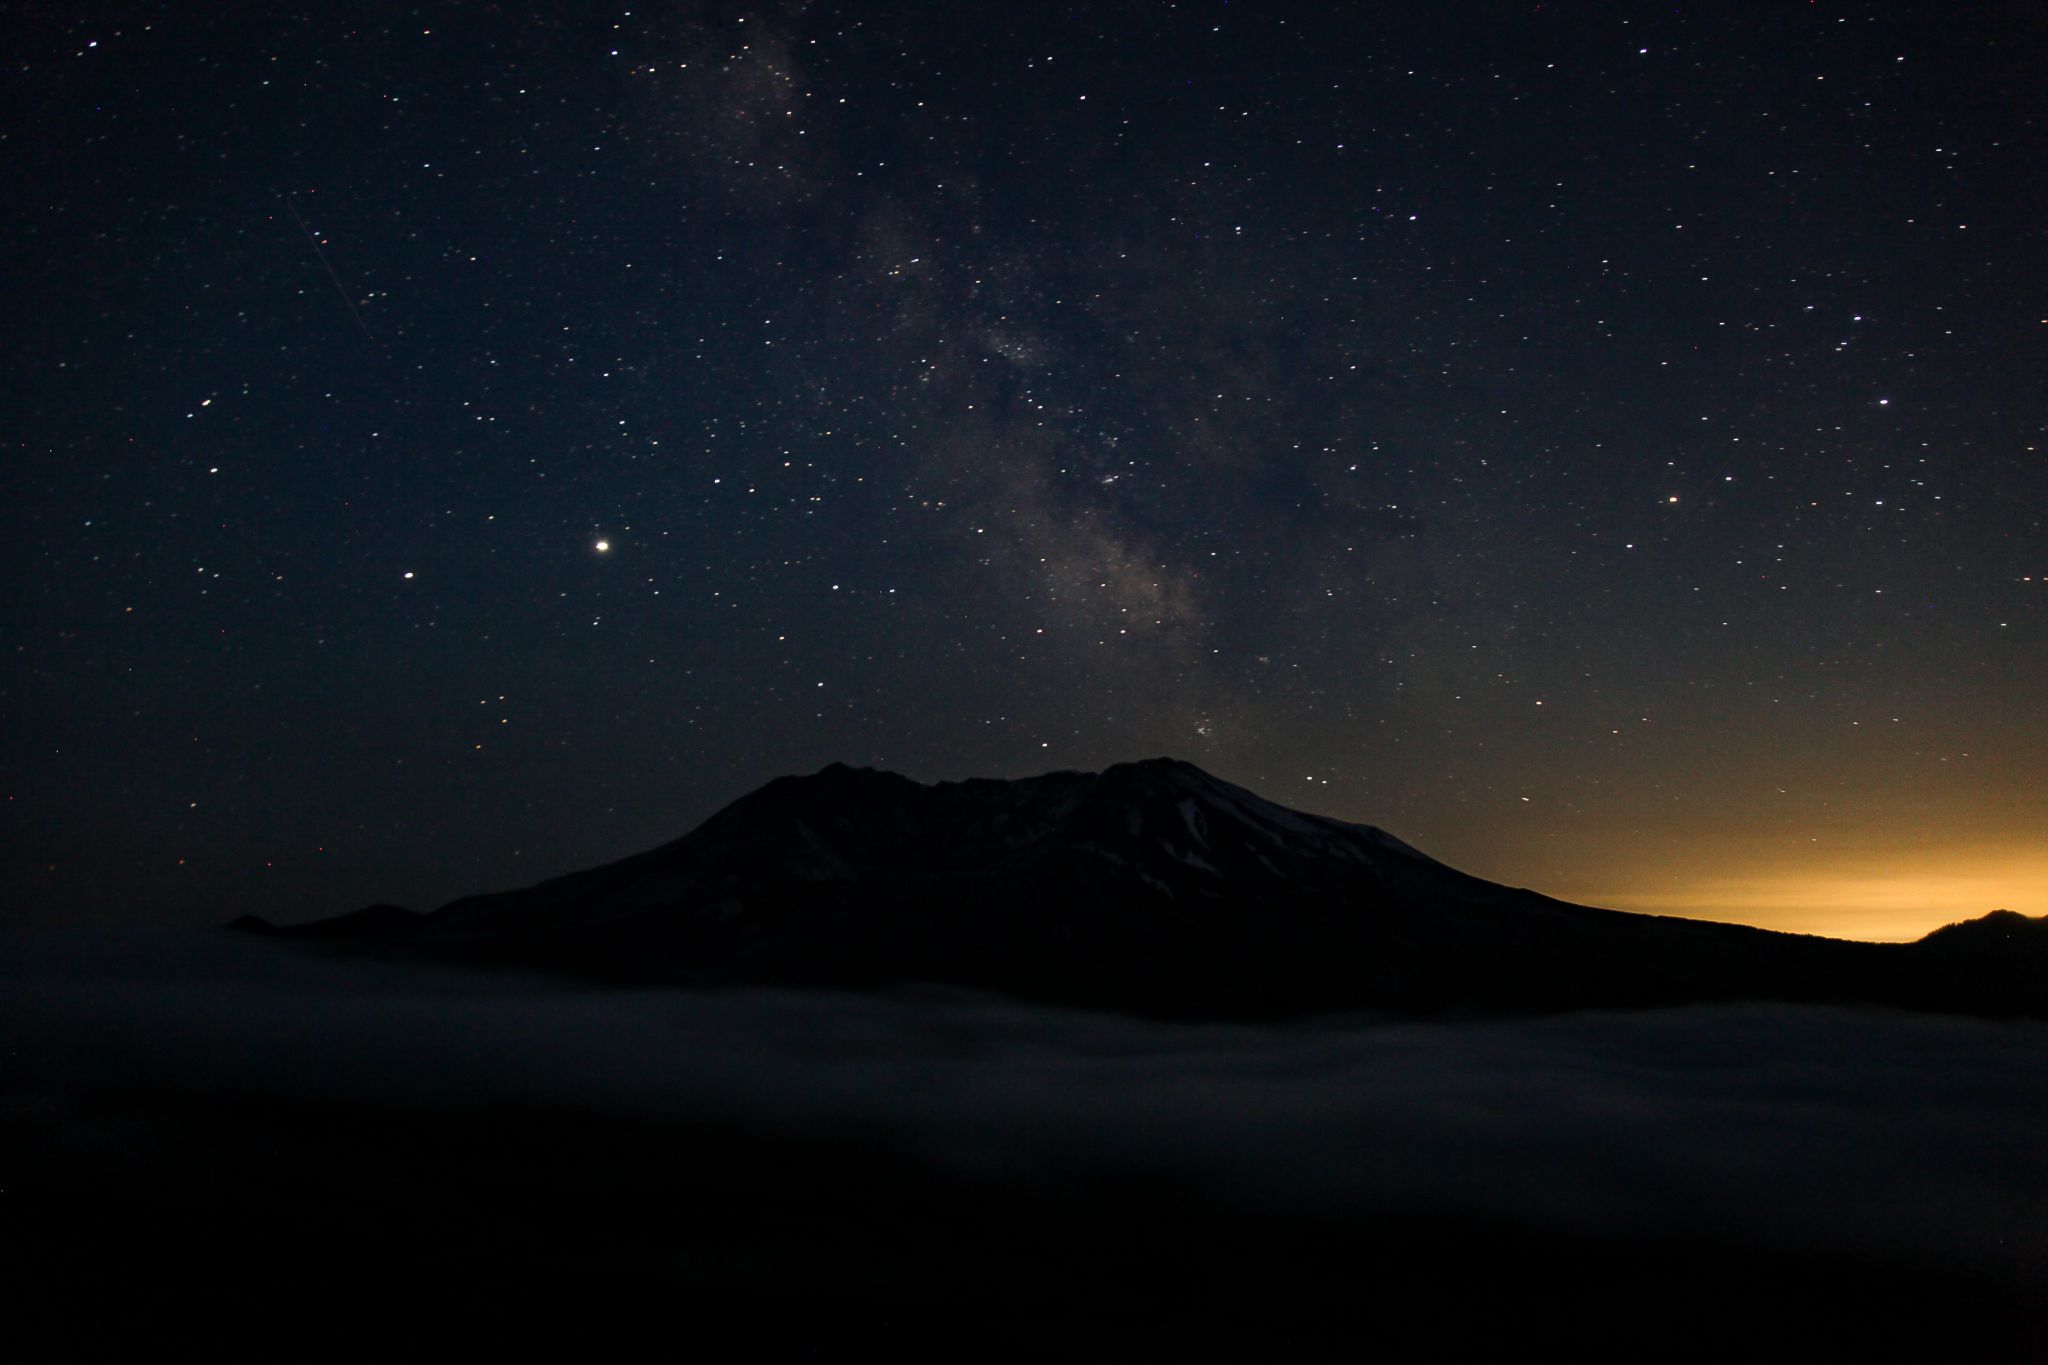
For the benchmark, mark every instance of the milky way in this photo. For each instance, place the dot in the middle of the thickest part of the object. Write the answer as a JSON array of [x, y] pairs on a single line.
[[1601, 446]]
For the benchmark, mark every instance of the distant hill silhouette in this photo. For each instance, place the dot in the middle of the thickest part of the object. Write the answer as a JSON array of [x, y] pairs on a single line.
[[2000, 934], [1150, 888]]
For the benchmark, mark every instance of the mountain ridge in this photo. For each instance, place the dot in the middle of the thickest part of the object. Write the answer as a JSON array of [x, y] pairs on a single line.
[[1151, 887]]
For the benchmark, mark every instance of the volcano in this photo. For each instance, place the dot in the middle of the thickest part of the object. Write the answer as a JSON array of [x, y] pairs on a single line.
[[1150, 888]]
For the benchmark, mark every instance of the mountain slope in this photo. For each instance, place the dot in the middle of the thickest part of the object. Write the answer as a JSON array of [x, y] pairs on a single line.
[[1151, 887]]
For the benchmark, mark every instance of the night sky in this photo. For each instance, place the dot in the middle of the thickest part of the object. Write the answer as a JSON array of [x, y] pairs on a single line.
[[1603, 445]]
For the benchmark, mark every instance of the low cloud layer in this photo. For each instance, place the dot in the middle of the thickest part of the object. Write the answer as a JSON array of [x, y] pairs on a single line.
[[1805, 1129]]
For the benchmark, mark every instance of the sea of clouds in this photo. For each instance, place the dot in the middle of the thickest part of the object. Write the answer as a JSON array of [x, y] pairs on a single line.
[[1802, 1128]]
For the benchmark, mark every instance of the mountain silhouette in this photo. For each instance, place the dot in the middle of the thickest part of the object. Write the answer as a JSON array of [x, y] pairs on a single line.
[[1150, 888]]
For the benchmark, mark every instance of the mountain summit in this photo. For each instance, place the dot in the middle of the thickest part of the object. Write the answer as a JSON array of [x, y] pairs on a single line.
[[1150, 887]]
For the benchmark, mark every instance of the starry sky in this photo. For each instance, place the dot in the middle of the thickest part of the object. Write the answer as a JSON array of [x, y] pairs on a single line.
[[448, 446]]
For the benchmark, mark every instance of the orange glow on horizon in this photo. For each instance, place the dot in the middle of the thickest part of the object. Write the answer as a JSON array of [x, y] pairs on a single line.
[[1877, 897]]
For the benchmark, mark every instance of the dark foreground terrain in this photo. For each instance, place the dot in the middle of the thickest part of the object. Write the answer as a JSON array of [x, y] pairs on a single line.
[[299, 1231], [227, 1147]]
